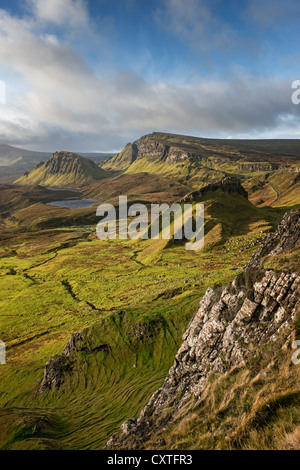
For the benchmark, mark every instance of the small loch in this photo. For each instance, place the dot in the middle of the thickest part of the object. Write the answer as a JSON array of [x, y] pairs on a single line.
[[74, 203]]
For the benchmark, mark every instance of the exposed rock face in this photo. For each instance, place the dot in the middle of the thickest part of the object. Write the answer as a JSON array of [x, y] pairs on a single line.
[[230, 185], [292, 169], [89, 341], [66, 162], [59, 364], [151, 148], [155, 150], [128, 425], [225, 331], [195, 152], [125, 158], [256, 166], [286, 237]]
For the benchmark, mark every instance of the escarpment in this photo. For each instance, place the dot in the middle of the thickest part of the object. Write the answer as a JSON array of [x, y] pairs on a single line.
[[230, 185], [153, 150], [229, 328]]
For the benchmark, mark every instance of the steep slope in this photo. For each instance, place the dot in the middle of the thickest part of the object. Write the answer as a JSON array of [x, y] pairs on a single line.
[[268, 168], [15, 161], [106, 290], [12, 155], [228, 213], [63, 169], [171, 149], [233, 376]]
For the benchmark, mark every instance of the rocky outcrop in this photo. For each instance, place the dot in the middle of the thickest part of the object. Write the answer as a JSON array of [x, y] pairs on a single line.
[[286, 237], [59, 364], [196, 152], [229, 326], [256, 166], [292, 169], [230, 185], [152, 149], [91, 341]]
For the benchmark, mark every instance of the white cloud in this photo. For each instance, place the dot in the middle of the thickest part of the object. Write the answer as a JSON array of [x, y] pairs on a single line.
[[268, 13], [61, 12], [63, 102], [194, 22]]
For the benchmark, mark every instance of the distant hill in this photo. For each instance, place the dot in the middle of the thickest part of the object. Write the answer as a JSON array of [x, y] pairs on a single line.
[[165, 153], [63, 169], [268, 169], [15, 161]]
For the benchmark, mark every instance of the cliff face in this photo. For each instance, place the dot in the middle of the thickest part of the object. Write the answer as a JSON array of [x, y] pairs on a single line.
[[229, 325], [230, 185], [154, 150]]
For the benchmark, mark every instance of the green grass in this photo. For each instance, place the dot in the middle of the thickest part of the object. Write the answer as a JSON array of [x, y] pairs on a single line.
[[56, 282], [68, 283]]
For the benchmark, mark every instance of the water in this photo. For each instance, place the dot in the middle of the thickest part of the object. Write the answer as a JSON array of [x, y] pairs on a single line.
[[61, 189], [74, 203]]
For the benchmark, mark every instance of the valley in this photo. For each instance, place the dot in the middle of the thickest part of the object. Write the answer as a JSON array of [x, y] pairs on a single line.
[[128, 302]]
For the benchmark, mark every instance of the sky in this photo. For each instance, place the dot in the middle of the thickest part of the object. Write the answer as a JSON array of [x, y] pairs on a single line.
[[92, 75]]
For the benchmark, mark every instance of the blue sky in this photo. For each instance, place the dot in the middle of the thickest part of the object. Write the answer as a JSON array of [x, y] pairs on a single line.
[[91, 75]]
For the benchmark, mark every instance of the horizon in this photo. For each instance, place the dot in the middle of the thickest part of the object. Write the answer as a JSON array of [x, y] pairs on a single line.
[[90, 76], [120, 149]]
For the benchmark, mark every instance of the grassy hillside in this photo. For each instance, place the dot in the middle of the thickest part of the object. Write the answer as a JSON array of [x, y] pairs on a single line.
[[132, 295], [63, 169], [256, 406], [262, 165], [135, 297]]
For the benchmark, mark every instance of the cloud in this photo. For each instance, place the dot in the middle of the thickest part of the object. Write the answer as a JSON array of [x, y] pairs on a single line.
[[195, 22], [269, 13], [63, 103], [73, 13]]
